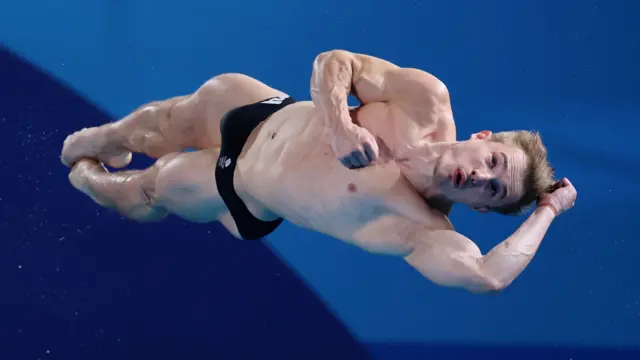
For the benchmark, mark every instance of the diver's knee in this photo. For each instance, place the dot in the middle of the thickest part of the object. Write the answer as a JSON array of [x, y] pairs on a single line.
[[231, 78], [229, 83], [222, 83], [176, 182], [162, 162]]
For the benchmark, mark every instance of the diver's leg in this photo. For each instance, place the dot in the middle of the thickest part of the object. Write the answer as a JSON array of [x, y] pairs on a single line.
[[182, 184], [131, 193], [172, 125]]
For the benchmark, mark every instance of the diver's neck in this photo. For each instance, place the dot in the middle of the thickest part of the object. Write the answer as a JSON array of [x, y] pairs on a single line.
[[419, 165]]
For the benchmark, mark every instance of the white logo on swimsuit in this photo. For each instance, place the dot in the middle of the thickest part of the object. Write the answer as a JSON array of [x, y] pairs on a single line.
[[224, 162], [275, 101]]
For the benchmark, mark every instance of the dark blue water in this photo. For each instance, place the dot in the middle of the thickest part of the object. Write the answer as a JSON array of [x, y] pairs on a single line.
[[79, 282]]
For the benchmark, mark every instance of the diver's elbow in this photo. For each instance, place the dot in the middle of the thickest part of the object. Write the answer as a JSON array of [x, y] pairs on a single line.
[[330, 56], [487, 286]]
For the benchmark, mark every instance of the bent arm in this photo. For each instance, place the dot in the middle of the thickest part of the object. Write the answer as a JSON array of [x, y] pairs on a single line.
[[338, 73], [449, 259]]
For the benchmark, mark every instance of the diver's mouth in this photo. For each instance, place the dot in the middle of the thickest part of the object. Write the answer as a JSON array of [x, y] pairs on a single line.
[[458, 178]]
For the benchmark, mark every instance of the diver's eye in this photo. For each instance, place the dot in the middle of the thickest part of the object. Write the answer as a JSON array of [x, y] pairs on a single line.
[[493, 188], [493, 161]]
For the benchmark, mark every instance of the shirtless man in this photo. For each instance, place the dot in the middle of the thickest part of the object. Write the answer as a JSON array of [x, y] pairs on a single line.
[[275, 158]]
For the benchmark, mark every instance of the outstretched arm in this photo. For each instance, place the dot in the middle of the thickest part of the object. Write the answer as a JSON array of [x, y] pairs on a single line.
[[450, 259]]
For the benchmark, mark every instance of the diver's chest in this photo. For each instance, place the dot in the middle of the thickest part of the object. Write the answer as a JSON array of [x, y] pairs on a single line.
[[337, 211], [319, 191]]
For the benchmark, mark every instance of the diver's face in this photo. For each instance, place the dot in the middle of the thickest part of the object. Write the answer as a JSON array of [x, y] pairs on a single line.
[[481, 173]]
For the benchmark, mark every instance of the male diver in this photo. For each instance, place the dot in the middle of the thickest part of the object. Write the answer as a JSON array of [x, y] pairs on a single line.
[[382, 176]]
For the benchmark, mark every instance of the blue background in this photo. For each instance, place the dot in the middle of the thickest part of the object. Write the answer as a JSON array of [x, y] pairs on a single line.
[[79, 282]]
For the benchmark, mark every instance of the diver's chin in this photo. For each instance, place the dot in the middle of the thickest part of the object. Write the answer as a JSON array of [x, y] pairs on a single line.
[[438, 190]]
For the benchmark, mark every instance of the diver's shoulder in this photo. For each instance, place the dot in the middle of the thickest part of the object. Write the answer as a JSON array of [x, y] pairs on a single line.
[[404, 200]]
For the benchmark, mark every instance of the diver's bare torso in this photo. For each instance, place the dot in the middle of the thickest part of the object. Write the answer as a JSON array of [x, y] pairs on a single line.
[[288, 168]]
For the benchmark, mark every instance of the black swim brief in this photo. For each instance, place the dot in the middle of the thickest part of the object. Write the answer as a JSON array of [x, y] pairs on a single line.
[[235, 128]]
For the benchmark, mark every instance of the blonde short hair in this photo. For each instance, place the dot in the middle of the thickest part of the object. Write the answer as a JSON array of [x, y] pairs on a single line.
[[538, 177]]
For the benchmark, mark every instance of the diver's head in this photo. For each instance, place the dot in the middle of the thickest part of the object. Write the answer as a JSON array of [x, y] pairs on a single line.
[[503, 172]]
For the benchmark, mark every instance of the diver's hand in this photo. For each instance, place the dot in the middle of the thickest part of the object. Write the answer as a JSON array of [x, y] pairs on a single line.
[[561, 199], [354, 146]]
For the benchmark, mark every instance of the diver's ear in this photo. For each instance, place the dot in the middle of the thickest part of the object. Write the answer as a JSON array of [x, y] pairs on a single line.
[[482, 135], [479, 208]]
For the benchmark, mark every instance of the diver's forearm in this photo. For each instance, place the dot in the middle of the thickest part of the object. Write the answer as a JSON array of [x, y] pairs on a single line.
[[508, 259], [331, 82]]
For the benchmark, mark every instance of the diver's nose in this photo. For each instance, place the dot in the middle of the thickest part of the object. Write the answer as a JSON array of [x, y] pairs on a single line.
[[479, 177]]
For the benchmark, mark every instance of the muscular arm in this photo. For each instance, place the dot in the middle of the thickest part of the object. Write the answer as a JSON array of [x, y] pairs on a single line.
[[338, 73], [449, 259]]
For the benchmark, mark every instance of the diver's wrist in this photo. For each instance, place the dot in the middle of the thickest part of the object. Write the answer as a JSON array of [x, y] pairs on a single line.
[[549, 206]]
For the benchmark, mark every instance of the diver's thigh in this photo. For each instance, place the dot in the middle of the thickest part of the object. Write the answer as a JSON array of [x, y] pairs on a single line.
[[186, 186], [226, 92]]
